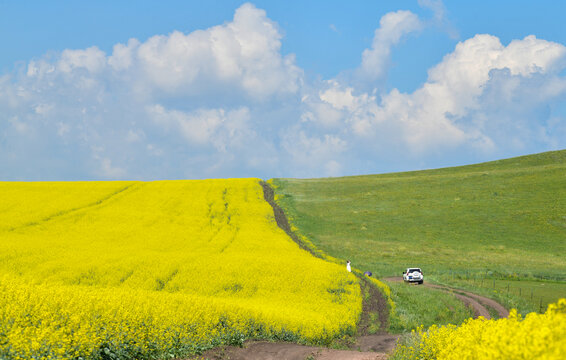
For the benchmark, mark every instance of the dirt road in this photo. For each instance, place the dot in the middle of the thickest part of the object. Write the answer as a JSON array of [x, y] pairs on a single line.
[[367, 347], [479, 304], [264, 350]]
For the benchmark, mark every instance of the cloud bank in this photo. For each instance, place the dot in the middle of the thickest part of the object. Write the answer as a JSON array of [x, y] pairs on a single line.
[[226, 102]]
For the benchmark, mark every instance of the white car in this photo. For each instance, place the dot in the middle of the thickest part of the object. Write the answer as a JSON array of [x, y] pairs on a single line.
[[412, 275]]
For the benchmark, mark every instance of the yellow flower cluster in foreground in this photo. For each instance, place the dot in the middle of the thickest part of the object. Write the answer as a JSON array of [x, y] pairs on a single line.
[[537, 336], [157, 269]]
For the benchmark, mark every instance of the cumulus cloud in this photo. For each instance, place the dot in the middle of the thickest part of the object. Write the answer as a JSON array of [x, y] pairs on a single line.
[[91, 59], [172, 94], [310, 155], [225, 101], [393, 26], [462, 102], [243, 55], [207, 127], [455, 87]]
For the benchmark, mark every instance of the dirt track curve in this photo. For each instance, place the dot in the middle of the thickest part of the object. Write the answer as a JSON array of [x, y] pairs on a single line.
[[366, 347], [479, 304]]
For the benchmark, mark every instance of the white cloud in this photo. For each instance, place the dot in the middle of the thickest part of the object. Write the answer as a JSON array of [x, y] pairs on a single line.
[[91, 59], [122, 56], [217, 127], [205, 82], [460, 104], [463, 72], [393, 26], [310, 155], [107, 170], [455, 86], [436, 6], [321, 112], [224, 101], [243, 54], [239, 58], [339, 99], [440, 16]]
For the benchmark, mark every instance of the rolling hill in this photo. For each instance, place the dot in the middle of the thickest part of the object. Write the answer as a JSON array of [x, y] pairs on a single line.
[[491, 222]]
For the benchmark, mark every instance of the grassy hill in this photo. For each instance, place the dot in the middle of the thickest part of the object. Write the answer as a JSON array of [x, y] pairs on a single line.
[[499, 221]]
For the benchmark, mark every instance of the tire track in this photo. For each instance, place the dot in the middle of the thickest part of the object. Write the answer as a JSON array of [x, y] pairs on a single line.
[[366, 347], [472, 298], [281, 219], [501, 311], [69, 211], [479, 304]]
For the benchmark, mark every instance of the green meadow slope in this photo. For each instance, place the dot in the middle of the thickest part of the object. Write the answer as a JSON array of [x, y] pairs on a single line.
[[498, 220]]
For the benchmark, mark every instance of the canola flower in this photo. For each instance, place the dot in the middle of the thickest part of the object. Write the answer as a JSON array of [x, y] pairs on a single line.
[[157, 270], [536, 336], [383, 288]]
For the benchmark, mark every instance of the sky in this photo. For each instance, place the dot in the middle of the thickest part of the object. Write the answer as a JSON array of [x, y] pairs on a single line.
[[146, 90]]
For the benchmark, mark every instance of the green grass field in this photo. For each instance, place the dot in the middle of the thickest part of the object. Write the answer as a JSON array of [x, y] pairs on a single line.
[[522, 294], [502, 220], [418, 305]]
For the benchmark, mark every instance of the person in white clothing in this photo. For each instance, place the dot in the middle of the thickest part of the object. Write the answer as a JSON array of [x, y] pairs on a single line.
[[348, 266]]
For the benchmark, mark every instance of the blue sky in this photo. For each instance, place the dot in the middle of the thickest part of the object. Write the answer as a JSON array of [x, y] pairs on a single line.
[[185, 90]]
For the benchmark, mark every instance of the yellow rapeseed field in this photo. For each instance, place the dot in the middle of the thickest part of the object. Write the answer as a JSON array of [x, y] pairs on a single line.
[[537, 336], [157, 270]]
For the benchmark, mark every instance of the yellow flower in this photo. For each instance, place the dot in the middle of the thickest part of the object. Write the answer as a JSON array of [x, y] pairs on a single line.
[[157, 269], [537, 336]]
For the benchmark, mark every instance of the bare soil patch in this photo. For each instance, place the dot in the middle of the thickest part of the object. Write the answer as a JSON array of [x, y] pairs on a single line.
[[263, 350], [374, 303]]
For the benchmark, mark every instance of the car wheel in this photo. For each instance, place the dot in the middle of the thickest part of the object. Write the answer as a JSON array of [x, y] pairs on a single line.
[[420, 282]]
